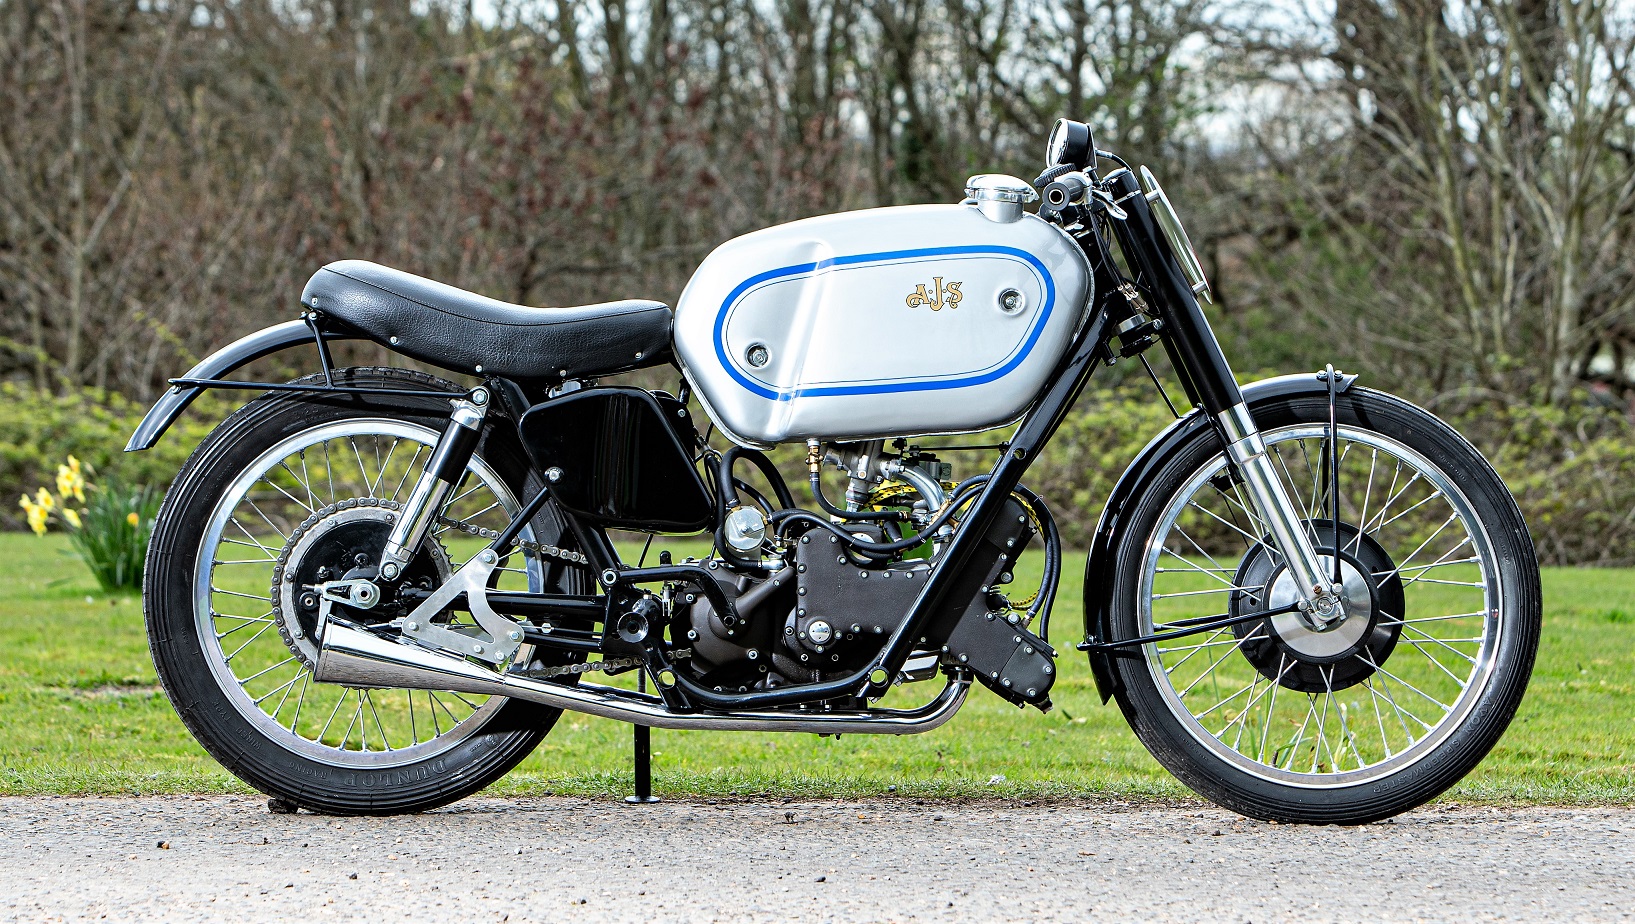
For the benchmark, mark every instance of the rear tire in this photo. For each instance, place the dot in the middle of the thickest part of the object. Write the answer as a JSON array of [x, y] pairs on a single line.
[[1366, 731], [221, 709]]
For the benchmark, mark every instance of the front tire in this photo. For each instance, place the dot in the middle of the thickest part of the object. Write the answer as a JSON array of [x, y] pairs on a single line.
[[1277, 720], [310, 483]]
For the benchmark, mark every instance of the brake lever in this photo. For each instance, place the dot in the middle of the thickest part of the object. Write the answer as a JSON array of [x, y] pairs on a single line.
[[1102, 201]]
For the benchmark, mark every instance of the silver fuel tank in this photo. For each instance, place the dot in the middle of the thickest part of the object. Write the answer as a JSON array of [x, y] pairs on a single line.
[[882, 322]]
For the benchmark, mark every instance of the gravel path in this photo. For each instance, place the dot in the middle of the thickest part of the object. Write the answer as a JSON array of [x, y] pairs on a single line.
[[227, 858]]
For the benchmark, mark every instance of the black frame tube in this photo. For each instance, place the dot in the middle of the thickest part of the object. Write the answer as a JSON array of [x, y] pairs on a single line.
[[313, 389], [1220, 622]]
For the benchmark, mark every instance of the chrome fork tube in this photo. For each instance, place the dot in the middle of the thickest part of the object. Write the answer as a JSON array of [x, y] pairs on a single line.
[[443, 471], [1319, 602]]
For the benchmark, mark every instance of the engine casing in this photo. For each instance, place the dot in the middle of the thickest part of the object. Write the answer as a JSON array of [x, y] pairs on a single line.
[[883, 322]]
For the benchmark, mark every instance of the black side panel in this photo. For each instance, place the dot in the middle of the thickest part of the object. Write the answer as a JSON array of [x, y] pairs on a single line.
[[1007, 658], [625, 459]]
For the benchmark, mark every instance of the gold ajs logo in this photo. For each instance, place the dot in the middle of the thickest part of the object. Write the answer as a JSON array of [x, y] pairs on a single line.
[[938, 297]]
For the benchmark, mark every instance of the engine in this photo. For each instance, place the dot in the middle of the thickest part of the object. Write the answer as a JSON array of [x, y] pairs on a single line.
[[819, 603]]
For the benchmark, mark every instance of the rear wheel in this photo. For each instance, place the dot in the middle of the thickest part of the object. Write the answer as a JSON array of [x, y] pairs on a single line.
[[293, 491], [1284, 719]]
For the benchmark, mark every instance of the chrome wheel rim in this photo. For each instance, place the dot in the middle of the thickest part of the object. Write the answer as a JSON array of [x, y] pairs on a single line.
[[263, 676], [1407, 705]]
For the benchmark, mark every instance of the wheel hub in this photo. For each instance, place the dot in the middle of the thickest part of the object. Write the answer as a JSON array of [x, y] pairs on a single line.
[[344, 541], [1329, 640], [1301, 654]]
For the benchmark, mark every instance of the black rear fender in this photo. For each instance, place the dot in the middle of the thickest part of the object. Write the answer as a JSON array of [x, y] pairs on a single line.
[[243, 351]]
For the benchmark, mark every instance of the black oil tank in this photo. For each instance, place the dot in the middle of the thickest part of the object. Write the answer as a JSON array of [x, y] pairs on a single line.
[[626, 457]]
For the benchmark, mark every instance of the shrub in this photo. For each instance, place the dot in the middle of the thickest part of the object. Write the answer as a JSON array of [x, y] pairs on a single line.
[[1572, 470], [39, 429], [110, 533]]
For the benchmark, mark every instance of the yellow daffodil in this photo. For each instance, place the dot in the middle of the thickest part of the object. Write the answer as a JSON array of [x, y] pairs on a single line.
[[72, 516], [37, 515], [71, 480], [132, 518]]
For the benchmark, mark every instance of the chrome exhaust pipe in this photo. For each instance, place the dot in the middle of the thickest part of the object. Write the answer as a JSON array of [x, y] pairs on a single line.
[[358, 658]]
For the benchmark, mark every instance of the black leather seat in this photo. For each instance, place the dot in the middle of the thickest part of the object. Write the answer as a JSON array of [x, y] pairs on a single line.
[[466, 332]]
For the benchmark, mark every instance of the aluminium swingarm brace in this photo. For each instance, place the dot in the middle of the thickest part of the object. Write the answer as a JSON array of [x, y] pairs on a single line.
[[500, 637]]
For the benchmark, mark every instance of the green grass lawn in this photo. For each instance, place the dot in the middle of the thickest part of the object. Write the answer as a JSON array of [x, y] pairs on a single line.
[[82, 713]]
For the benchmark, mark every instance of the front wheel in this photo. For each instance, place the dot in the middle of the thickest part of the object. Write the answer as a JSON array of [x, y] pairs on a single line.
[[1285, 720]]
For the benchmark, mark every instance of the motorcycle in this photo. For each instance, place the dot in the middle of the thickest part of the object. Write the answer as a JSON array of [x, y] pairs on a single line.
[[372, 590]]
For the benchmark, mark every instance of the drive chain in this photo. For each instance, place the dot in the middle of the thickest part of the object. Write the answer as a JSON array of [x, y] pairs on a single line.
[[610, 664], [538, 548]]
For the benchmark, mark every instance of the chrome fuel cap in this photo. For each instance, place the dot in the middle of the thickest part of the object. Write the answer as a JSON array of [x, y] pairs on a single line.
[[998, 196]]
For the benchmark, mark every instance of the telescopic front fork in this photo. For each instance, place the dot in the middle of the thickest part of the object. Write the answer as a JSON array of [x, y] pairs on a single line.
[[1207, 377], [1320, 595]]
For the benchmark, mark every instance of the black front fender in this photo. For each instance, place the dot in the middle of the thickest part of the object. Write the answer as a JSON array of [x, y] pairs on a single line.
[[1100, 581], [175, 400]]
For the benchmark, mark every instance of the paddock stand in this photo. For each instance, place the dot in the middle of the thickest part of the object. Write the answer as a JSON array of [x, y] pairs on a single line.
[[642, 758]]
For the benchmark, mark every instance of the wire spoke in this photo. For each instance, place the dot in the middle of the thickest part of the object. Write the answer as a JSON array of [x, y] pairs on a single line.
[[1368, 493], [267, 670], [361, 469], [410, 470], [1391, 498], [1271, 710], [1427, 697], [253, 540], [1185, 593], [248, 621], [1443, 643], [1379, 719], [1251, 540], [1422, 502], [234, 593], [1210, 643], [329, 471], [301, 676], [259, 632], [1229, 652], [285, 689], [281, 534], [306, 480], [1211, 572], [300, 701], [378, 727]]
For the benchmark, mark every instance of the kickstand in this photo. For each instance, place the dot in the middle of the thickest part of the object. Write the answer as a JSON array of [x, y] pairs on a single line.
[[642, 758]]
